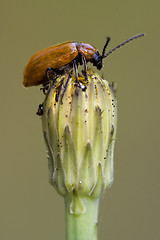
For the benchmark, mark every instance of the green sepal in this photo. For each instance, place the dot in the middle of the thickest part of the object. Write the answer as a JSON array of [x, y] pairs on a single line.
[[87, 171], [69, 161]]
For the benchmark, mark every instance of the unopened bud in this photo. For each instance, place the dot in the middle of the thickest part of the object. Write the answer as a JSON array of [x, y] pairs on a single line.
[[79, 125]]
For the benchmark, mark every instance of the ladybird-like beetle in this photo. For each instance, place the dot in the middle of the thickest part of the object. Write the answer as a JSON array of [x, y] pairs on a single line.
[[62, 58]]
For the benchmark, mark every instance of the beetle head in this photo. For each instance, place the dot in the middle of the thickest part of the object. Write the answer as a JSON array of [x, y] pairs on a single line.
[[97, 60]]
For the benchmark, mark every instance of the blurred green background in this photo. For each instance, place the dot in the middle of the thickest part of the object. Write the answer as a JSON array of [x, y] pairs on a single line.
[[29, 207]]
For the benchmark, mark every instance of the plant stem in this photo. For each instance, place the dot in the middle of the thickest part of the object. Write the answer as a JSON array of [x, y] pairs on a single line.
[[81, 225]]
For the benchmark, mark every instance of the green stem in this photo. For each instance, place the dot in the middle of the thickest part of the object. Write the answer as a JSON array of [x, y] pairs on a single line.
[[81, 218]]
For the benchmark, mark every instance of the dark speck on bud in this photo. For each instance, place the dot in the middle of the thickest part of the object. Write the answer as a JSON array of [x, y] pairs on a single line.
[[40, 110]]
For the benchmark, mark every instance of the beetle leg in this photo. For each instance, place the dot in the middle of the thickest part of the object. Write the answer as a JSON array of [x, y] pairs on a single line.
[[75, 71], [50, 78], [45, 88], [85, 66]]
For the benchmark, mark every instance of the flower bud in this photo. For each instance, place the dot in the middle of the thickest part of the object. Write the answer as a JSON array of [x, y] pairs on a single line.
[[79, 125]]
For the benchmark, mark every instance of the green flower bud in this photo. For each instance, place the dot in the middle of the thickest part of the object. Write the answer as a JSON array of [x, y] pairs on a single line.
[[79, 125]]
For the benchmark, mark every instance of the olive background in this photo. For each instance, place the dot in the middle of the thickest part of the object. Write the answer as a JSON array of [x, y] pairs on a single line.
[[30, 207]]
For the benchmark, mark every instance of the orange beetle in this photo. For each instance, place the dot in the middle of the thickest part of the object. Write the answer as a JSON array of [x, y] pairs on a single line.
[[61, 58]]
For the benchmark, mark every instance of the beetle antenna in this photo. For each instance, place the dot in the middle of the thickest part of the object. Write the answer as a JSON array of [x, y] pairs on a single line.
[[120, 45], [105, 46]]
